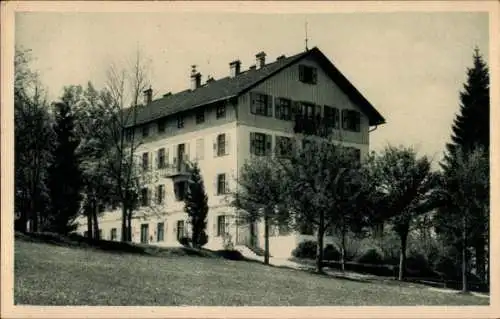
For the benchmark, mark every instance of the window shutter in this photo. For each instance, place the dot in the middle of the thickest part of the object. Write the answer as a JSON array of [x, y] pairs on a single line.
[[166, 156], [296, 107], [188, 151], [301, 73], [269, 141], [252, 143], [344, 119], [277, 109], [336, 117], [215, 145], [228, 144], [226, 184], [215, 184], [314, 75], [157, 159], [269, 105], [252, 102], [150, 161], [174, 161], [358, 121]]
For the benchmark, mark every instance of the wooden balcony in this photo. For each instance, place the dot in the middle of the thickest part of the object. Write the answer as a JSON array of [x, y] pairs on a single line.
[[175, 170], [312, 125]]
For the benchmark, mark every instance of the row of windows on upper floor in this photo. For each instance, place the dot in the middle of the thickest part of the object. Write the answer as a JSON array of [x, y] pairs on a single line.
[[261, 144], [265, 105]]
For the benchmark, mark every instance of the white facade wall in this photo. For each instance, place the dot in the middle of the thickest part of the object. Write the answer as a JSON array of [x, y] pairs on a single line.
[[237, 125]]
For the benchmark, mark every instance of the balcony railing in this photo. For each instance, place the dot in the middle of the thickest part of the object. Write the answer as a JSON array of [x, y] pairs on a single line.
[[175, 169], [312, 125]]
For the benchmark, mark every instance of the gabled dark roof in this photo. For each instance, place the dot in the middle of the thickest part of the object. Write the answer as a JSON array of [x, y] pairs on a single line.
[[228, 87]]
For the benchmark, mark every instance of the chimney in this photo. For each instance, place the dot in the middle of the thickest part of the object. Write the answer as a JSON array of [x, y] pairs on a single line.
[[260, 59], [195, 78], [148, 96], [281, 57], [235, 68], [210, 79], [252, 67]]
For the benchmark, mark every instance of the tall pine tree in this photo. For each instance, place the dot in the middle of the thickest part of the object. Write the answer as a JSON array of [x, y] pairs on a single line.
[[64, 172], [471, 126], [470, 132], [196, 206]]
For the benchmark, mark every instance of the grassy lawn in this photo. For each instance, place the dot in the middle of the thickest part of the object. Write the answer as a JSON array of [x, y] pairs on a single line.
[[53, 275]]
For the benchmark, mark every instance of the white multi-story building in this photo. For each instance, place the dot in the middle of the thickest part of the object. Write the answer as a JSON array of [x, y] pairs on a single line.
[[220, 124]]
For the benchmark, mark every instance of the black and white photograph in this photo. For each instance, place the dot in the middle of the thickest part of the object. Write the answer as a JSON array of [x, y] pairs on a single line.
[[248, 154]]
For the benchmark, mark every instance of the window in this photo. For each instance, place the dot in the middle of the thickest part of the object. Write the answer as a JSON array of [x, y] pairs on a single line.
[[145, 131], [221, 110], [180, 121], [221, 225], [160, 194], [332, 117], [161, 125], [283, 109], [160, 163], [351, 120], [160, 232], [144, 233], [221, 184], [260, 144], [200, 115], [308, 74], [200, 149], [284, 146], [144, 197], [180, 229], [221, 144], [309, 110], [261, 104], [180, 189], [145, 161], [113, 234]]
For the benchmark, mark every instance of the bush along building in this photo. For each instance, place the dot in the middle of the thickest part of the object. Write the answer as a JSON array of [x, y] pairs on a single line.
[[220, 124]]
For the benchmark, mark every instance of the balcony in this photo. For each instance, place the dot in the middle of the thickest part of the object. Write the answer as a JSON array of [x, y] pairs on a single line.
[[175, 170], [312, 125]]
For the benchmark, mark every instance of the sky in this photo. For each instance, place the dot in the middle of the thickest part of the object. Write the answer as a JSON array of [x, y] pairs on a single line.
[[410, 66]]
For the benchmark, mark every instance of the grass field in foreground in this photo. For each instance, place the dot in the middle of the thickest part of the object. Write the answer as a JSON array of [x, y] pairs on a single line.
[[54, 275]]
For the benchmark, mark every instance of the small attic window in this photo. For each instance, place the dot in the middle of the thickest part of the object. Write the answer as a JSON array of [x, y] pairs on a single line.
[[308, 74]]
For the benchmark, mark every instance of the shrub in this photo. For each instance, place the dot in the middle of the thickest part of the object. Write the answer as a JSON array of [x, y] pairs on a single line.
[[185, 241], [371, 256], [305, 249], [230, 254], [331, 253]]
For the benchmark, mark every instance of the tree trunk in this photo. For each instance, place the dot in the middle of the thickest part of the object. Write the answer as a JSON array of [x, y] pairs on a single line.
[[319, 250], [266, 238], [464, 255], [129, 222], [95, 220], [402, 255], [89, 223], [124, 223]]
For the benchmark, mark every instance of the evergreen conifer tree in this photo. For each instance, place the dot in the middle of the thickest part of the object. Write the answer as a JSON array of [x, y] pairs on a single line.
[[196, 206]]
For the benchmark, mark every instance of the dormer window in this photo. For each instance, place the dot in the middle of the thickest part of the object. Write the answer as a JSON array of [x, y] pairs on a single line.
[[200, 116], [221, 110], [161, 125], [308, 74], [180, 121], [145, 131]]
